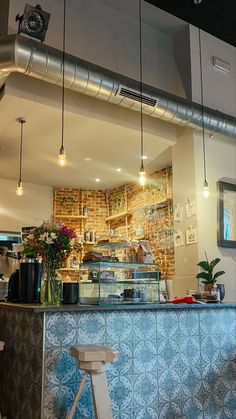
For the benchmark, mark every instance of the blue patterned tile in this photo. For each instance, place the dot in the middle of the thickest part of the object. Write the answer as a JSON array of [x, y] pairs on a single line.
[[169, 386], [191, 382], [145, 389], [128, 414], [58, 401], [190, 351], [60, 330], [167, 324], [210, 349], [119, 326], [193, 409], [211, 377], [170, 411], [120, 389], [91, 327], [145, 357], [168, 353], [189, 325], [228, 375], [144, 325], [227, 321], [147, 413], [230, 405], [228, 346], [209, 321], [213, 408], [60, 367], [124, 364]]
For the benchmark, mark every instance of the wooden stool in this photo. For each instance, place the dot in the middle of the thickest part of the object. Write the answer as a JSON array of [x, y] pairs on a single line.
[[92, 359]]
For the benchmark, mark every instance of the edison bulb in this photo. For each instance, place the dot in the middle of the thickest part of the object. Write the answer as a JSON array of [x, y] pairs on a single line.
[[205, 190], [19, 189], [61, 158], [142, 177]]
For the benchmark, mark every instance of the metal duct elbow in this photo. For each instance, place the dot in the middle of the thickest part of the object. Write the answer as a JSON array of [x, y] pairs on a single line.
[[27, 56]]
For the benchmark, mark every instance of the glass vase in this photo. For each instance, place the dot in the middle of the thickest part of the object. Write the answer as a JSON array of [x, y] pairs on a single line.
[[51, 289]]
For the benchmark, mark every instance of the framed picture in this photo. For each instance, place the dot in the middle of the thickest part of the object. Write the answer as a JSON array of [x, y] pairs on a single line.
[[191, 236], [190, 208], [179, 239], [178, 213]]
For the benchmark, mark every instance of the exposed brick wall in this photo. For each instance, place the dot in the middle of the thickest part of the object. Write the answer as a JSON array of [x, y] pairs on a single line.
[[146, 219]]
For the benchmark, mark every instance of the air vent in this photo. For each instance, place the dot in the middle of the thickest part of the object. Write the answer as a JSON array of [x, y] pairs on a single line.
[[135, 95]]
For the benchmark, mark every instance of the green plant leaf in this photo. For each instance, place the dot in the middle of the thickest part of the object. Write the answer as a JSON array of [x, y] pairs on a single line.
[[218, 274], [214, 262], [204, 265], [204, 275]]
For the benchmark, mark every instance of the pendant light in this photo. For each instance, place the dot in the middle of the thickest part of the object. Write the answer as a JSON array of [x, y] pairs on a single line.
[[205, 189], [61, 158], [142, 173], [19, 188]]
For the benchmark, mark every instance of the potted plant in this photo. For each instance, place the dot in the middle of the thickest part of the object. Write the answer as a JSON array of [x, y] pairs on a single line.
[[207, 275]]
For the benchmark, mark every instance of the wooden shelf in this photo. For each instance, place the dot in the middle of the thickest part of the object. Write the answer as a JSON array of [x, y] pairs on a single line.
[[68, 269], [119, 215], [161, 204], [89, 243], [70, 216]]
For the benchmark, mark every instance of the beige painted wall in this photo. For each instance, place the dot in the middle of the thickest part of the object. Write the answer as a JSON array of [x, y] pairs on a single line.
[[30, 209], [183, 190]]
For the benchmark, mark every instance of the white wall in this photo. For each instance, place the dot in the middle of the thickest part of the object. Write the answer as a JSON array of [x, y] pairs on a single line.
[[30, 209], [221, 164], [99, 32], [219, 90]]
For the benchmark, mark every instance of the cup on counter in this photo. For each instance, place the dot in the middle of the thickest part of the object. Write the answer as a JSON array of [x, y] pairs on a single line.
[[70, 293]]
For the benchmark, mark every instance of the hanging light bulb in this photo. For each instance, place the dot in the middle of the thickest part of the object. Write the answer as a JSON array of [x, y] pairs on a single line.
[[142, 176], [142, 173], [62, 158], [205, 189], [19, 188]]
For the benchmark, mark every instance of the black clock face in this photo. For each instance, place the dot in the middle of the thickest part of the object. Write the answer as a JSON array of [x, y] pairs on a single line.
[[34, 23]]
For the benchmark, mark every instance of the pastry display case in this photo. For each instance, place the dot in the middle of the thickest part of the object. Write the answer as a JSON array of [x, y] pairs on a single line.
[[110, 283]]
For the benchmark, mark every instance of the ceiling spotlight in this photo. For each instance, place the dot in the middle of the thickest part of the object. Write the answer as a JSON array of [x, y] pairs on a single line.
[[197, 1], [119, 169], [33, 22], [144, 157], [97, 179], [87, 159]]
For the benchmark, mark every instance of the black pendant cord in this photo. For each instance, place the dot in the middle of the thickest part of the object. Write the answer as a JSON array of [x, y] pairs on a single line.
[[202, 108], [141, 82], [21, 148], [63, 76]]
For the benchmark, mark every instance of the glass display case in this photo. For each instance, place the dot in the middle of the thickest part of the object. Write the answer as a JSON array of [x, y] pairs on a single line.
[[109, 283]]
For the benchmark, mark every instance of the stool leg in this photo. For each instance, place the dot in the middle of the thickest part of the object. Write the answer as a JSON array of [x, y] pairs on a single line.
[[72, 410], [102, 402]]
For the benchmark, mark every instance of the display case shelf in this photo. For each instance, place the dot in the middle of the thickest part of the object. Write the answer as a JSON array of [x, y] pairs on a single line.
[[118, 215]]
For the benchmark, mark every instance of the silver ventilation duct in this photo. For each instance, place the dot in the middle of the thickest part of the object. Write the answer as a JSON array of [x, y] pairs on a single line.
[[24, 55]]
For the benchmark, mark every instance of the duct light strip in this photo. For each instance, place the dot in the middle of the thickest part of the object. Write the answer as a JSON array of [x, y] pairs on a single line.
[[221, 64]]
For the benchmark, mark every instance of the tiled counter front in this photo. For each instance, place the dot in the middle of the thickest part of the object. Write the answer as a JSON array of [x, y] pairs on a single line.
[[172, 363]]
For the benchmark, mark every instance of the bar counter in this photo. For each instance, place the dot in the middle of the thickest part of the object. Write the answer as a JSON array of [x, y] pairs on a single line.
[[175, 361]]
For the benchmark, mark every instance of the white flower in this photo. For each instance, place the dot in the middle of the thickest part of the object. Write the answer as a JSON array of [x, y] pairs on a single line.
[[42, 236], [49, 240], [53, 235], [30, 237]]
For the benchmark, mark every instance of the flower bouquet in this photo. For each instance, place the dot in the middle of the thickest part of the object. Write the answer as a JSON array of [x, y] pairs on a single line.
[[53, 242]]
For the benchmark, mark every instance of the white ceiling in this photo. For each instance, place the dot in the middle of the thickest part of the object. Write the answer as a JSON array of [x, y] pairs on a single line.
[[109, 142]]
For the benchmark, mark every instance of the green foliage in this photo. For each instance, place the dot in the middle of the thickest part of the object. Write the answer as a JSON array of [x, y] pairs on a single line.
[[207, 271]]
